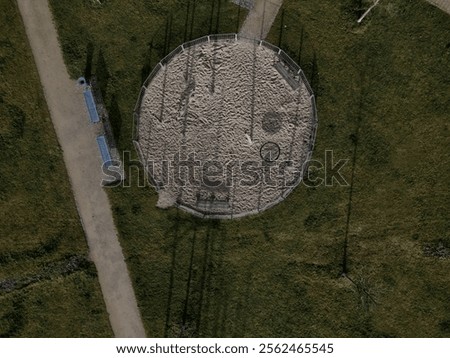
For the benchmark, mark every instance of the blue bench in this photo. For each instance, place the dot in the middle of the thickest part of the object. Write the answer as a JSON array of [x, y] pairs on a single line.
[[90, 103], [104, 150]]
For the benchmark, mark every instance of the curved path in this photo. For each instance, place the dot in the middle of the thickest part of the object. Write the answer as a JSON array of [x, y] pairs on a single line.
[[81, 156]]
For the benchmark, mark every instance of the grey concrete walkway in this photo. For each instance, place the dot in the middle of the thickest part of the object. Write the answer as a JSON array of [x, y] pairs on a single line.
[[442, 4], [260, 18], [83, 163]]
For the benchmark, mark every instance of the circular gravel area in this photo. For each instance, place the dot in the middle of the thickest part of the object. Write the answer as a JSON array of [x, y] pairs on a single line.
[[224, 127]]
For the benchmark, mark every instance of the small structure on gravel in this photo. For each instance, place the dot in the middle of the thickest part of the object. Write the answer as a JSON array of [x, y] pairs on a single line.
[[224, 126]]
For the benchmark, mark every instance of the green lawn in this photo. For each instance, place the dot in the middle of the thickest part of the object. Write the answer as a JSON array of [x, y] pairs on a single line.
[[382, 93], [48, 287]]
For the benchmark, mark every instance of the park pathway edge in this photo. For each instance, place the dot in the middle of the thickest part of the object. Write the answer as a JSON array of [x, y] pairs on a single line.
[[83, 163]]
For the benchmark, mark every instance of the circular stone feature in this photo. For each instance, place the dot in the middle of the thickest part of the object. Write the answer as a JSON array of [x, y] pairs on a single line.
[[272, 122], [224, 126], [270, 152]]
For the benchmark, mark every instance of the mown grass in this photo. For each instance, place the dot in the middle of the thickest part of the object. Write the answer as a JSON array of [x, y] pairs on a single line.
[[48, 287], [382, 92]]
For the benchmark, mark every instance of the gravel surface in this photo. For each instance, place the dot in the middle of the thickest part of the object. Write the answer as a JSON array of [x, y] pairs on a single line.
[[226, 107]]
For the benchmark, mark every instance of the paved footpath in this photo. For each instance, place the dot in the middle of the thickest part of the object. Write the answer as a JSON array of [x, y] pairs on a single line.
[[260, 18], [442, 4], [83, 162]]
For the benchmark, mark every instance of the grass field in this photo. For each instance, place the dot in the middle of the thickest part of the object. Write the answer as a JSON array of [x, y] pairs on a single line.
[[48, 287], [383, 104]]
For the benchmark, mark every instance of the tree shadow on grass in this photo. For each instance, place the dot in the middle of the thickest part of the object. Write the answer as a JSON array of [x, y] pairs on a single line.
[[89, 58], [115, 118], [102, 74]]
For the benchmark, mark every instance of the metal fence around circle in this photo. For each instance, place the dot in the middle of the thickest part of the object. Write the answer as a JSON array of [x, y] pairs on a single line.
[[294, 70]]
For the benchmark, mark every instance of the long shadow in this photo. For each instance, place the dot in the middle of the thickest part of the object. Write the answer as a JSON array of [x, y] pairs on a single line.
[[89, 58], [179, 229], [185, 95], [214, 71], [211, 16], [204, 280], [147, 66], [219, 318], [176, 228], [186, 21], [167, 35], [300, 47], [115, 118], [188, 285], [102, 74], [191, 30], [302, 53], [315, 80], [219, 6], [350, 197], [208, 272], [253, 94], [238, 20], [355, 139], [163, 95]]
